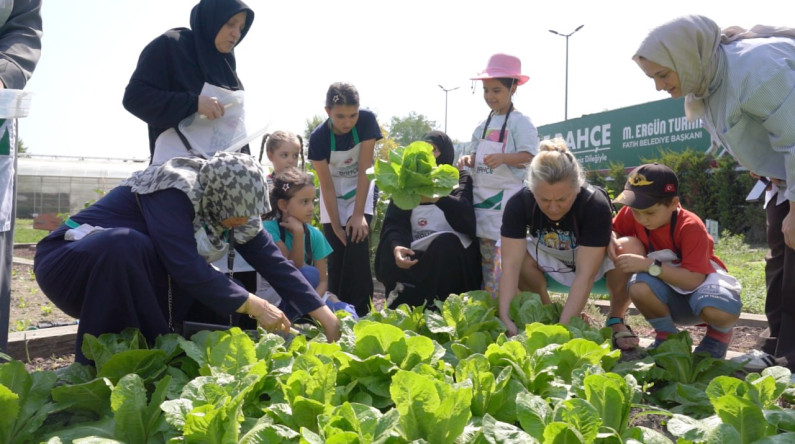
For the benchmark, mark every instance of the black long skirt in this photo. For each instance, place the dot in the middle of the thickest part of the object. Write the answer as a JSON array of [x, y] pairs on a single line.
[[445, 267]]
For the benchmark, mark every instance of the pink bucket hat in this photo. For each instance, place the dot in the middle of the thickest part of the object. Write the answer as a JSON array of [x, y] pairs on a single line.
[[503, 66]]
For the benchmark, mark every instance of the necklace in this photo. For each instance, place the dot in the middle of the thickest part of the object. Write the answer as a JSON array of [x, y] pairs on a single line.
[[556, 223]]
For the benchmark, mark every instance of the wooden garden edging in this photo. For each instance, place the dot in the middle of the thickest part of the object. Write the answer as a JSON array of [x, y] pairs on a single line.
[[42, 343]]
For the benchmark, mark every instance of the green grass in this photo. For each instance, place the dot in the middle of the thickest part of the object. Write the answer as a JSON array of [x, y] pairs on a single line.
[[24, 233], [747, 264]]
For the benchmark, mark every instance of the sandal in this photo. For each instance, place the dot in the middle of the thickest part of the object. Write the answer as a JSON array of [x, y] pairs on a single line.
[[618, 335]]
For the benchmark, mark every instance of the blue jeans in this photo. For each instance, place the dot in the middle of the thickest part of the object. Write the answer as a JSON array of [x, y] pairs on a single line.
[[686, 308], [311, 274]]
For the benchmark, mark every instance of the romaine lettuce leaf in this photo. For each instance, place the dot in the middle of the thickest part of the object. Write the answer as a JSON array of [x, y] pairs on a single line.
[[411, 173]]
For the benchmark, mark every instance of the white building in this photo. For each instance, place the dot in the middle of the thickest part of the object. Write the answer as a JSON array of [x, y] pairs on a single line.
[[62, 184]]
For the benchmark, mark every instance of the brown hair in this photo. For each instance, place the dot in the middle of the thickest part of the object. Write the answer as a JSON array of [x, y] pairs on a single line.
[[341, 94], [272, 141], [285, 185]]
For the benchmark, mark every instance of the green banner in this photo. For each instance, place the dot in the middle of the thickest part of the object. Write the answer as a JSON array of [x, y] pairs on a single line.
[[627, 135]]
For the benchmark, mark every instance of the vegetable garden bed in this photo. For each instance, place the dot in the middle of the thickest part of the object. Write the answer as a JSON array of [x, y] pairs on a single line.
[[404, 375]]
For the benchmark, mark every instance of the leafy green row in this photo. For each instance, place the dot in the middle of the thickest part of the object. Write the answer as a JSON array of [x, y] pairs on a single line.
[[397, 376]]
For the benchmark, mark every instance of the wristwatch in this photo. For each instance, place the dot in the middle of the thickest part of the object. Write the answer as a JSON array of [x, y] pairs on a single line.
[[655, 268]]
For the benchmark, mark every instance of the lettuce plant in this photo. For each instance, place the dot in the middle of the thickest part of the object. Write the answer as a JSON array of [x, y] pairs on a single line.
[[411, 173], [745, 411], [395, 376], [24, 401], [430, 409]]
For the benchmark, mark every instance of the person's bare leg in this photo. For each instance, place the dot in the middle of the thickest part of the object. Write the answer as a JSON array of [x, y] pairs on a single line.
[[532, 279]]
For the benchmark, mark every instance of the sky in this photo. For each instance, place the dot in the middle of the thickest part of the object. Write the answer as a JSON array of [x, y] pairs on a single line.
[[397, 54]]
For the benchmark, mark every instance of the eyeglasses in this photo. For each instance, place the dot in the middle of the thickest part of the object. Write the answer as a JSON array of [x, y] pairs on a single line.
[[545, 269]]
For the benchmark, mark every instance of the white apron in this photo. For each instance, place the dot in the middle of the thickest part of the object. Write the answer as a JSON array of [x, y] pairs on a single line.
[[344, 169], [7, 154], [720, 277], [492, 187], [205, 136], [559, 264], [14, 103], [428, 222]]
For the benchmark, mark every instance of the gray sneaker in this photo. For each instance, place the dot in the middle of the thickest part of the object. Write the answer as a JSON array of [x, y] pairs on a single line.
[[755, 360]]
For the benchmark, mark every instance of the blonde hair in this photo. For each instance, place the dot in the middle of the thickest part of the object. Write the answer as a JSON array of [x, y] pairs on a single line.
[[554, 163]]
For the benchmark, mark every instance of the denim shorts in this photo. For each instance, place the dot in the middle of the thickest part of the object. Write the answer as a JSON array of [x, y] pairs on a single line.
[[686, 308]]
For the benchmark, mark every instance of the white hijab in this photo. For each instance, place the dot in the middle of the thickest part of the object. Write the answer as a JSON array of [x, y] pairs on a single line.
[[689, 46]]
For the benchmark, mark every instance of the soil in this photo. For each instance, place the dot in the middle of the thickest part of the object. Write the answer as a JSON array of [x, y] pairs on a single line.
[[30, 309]]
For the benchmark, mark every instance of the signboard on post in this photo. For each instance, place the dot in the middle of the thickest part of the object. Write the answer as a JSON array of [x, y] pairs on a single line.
[[628, 135]]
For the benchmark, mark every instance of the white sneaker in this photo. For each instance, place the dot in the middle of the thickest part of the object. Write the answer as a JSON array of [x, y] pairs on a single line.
[[757, 360], [393, 294]]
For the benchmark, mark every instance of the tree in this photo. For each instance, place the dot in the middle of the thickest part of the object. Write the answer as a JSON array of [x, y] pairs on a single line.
[[410, 128], [385, 145], [311, 124], [21, 148]]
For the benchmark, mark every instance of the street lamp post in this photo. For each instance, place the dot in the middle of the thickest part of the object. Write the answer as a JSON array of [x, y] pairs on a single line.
[[566, 103], [445, 103]]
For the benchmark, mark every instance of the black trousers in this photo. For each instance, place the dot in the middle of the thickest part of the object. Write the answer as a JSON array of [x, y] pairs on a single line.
[[779, 338], [349, 275]]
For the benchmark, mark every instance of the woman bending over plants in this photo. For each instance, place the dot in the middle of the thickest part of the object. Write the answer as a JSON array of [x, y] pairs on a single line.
[[140, 256], [569, 225]]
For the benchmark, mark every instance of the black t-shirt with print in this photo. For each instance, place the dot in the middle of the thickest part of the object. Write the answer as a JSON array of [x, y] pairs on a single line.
[[592, 229]]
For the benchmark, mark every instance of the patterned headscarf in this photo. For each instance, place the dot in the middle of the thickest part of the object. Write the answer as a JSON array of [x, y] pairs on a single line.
[[226, 185]]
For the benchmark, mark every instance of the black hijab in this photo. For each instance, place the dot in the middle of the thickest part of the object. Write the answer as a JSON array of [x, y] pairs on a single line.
[[206, 19], [443, 144]]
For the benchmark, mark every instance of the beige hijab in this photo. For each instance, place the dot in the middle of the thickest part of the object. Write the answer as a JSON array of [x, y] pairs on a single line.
[[689, 46]]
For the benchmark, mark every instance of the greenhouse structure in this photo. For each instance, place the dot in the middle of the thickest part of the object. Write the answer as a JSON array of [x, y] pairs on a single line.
[[63, 184]]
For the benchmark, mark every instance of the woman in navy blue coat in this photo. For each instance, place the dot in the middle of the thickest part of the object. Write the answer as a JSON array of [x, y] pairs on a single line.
[[140, 256]]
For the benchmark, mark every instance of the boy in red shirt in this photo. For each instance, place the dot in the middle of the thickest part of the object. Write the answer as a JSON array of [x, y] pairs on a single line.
[[667, 256]]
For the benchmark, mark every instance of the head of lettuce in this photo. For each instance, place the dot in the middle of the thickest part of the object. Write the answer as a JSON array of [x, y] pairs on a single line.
[[411, 173]]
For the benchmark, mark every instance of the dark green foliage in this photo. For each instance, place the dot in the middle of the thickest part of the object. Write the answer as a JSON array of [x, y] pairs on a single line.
[[713, 188]]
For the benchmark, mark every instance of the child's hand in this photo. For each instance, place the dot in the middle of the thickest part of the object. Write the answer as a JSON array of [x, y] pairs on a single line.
[[465, 161], [614, 249], [403, 257], [293, 225], [340, 232], [494, 160], [632, 263], [357, 228]]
